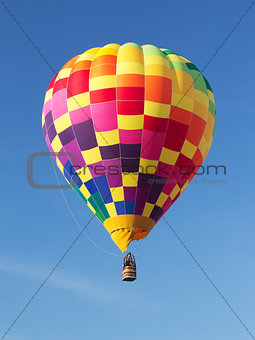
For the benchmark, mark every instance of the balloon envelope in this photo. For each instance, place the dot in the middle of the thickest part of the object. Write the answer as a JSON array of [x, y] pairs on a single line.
[[132, 125]]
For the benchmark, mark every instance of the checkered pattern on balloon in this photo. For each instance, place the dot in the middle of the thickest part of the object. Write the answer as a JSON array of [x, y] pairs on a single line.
[[132, 124]]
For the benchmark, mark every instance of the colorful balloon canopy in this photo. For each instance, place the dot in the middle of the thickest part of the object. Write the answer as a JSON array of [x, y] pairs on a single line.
[[132, 125]]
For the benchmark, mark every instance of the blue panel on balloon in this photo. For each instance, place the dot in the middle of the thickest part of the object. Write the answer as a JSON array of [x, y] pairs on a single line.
[[77, 180], [90, 185], [120, 208], [130, 207], [103, 188], [67, 170]]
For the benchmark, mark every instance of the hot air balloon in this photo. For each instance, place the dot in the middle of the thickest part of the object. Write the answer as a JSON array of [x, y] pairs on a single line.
[[130, 126]]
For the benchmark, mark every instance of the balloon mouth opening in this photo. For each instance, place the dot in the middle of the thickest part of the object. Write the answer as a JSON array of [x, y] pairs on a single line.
[[123, 236], [127, 228]]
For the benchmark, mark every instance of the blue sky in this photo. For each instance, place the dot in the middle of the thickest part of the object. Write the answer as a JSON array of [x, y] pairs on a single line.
[[85, 298]]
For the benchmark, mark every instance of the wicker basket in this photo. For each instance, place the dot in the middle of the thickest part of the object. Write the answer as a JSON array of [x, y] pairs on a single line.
[[129, 273]]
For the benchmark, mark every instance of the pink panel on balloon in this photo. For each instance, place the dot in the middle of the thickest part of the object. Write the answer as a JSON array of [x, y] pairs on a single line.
[[130, 136], [63, 159], [50, 147], [59, 104], [80, 115], [104, 116], [74, 154], [113, 172], [167, 204], [164, 170], [47, 107], [97, 169], [152, 144]]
